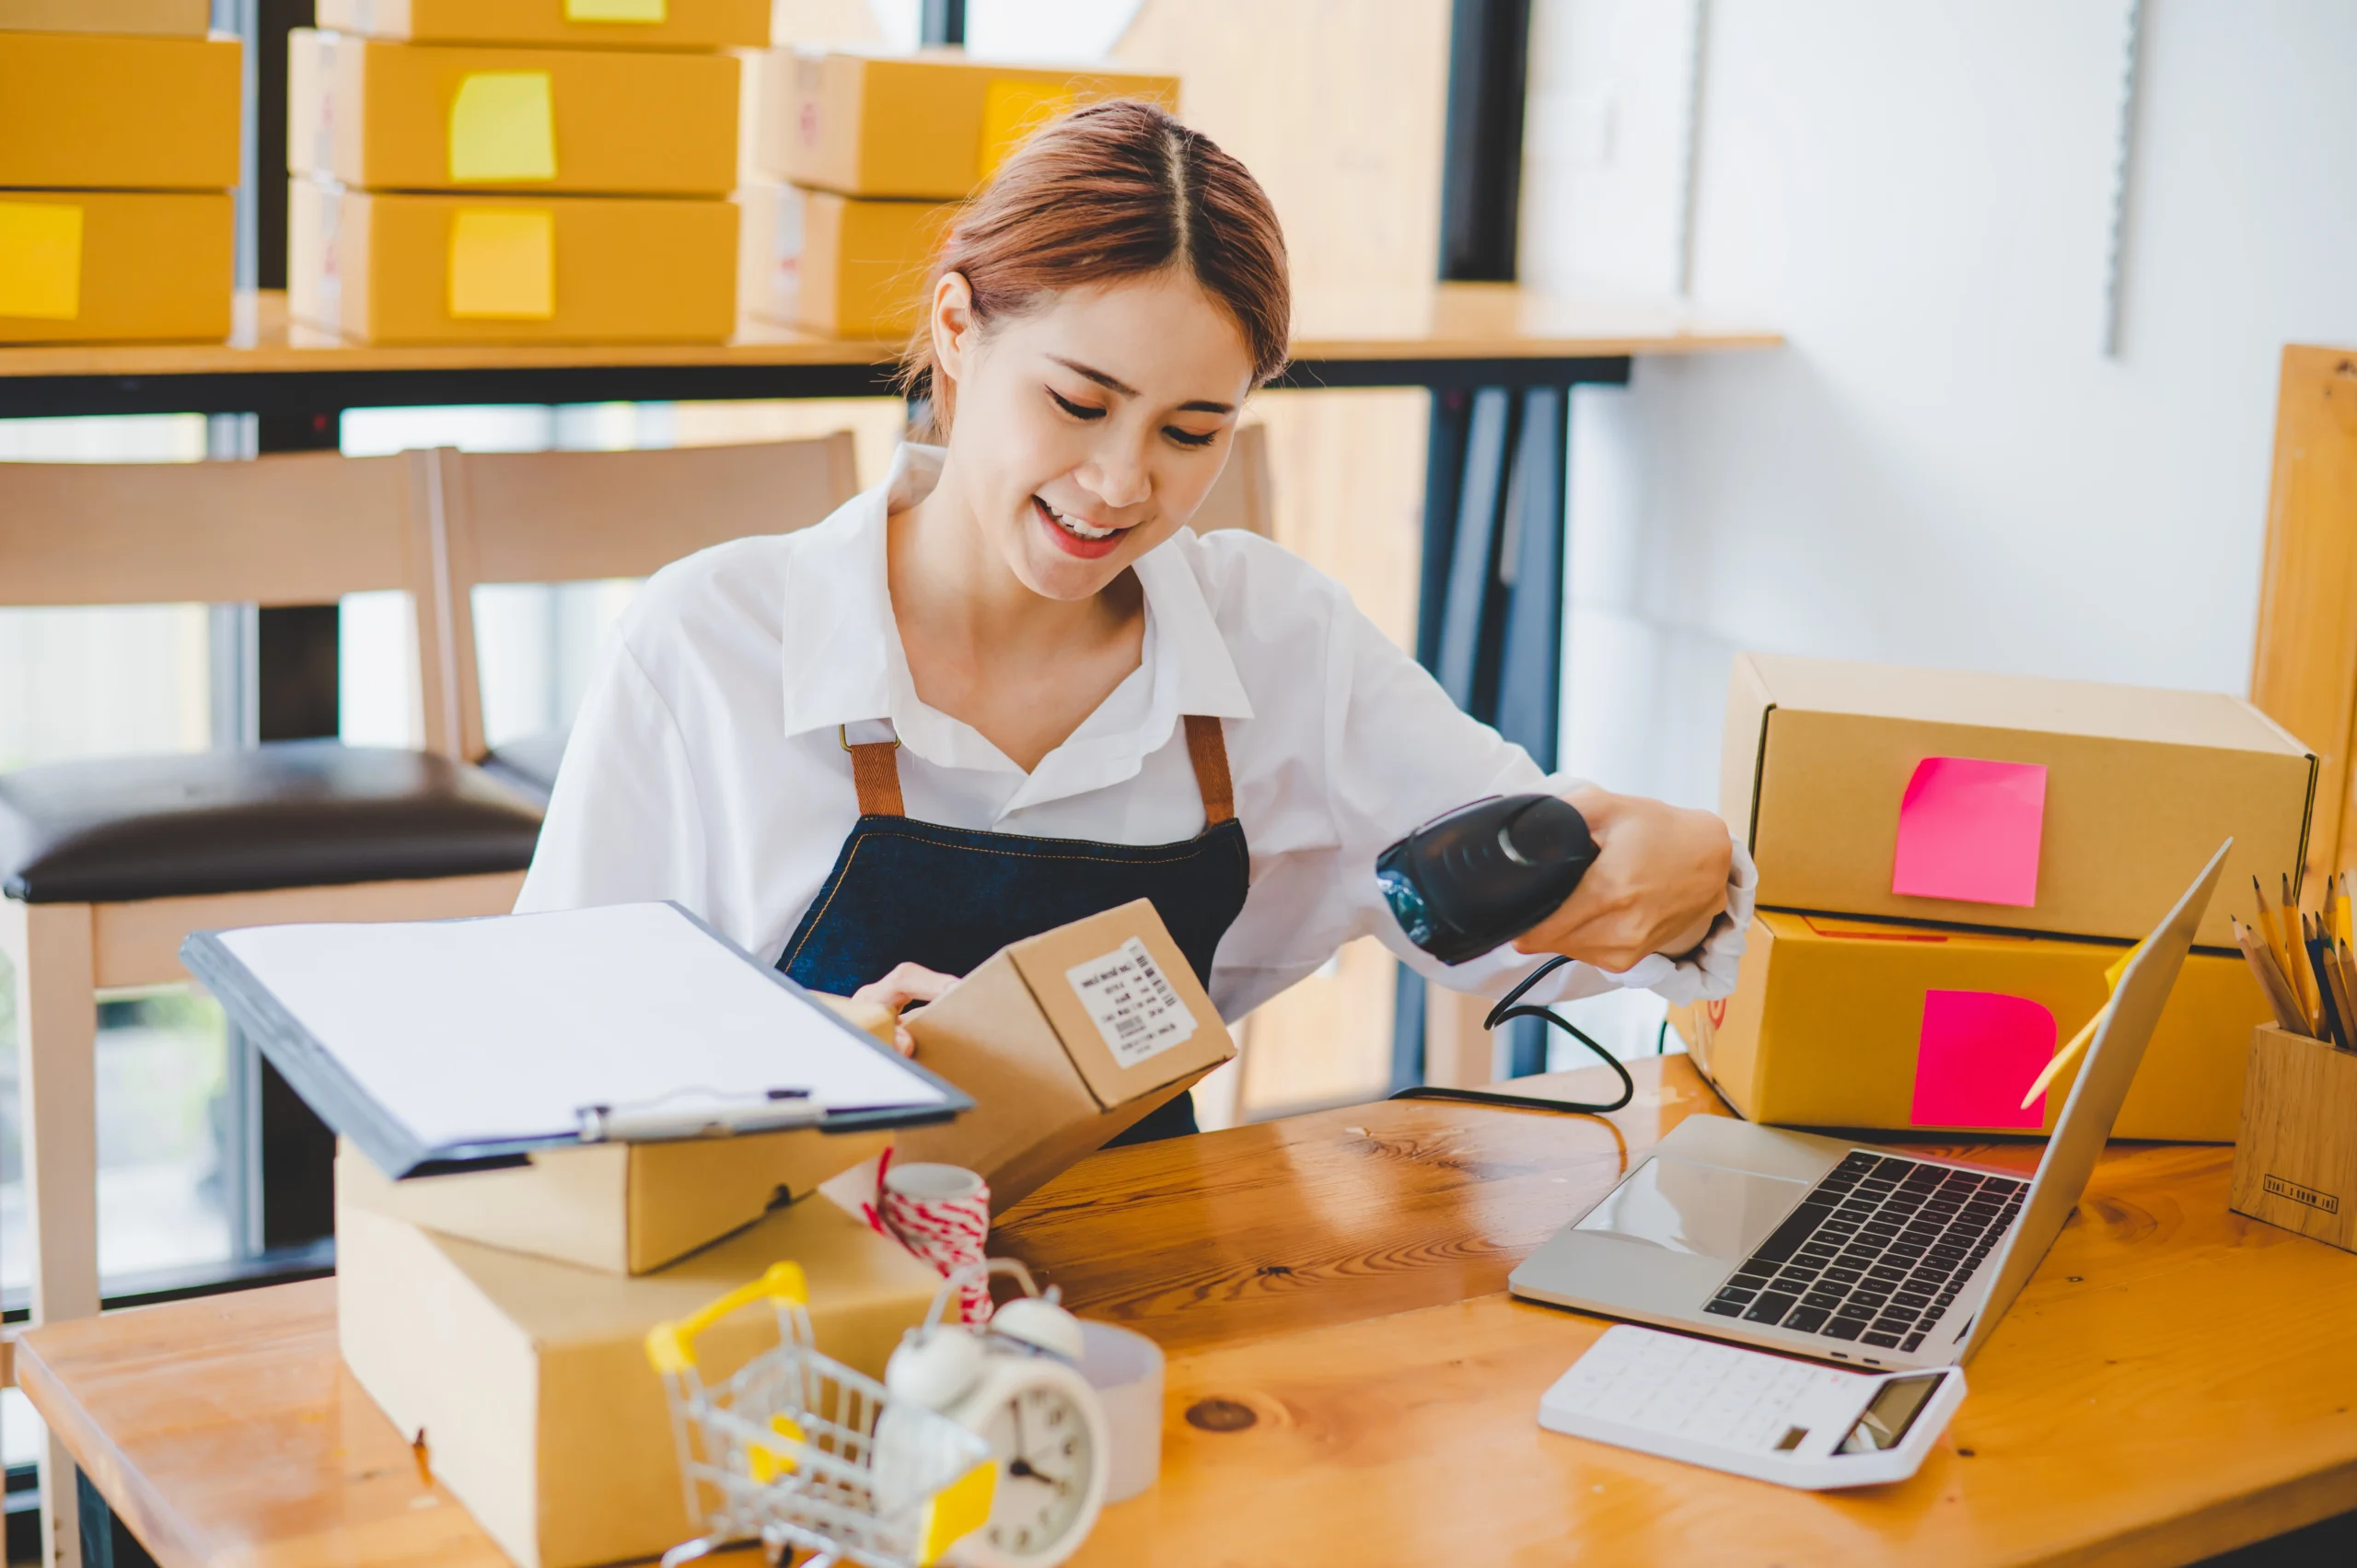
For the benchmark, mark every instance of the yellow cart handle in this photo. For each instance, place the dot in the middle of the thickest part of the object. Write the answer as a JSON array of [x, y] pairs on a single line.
[[672, 1346]]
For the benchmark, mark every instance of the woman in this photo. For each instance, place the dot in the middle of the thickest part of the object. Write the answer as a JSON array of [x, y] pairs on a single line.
[[1008, 687]]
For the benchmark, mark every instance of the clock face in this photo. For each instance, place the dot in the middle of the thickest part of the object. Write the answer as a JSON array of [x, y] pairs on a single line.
[[1046, 1459]]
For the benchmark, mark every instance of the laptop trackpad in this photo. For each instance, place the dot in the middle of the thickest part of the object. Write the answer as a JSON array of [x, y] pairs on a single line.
[[1700, 1209]]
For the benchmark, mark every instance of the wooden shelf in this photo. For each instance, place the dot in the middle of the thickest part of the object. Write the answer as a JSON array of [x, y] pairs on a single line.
[[1449, 334]]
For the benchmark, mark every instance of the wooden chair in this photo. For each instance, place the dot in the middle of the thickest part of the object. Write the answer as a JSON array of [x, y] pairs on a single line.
[[107, 866], [583, 516]]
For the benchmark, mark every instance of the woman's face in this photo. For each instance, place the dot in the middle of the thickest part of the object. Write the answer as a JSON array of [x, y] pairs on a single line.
[[1087, 431]]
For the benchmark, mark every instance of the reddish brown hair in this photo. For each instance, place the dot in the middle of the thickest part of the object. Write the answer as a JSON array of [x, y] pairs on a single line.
[[1114, 191]]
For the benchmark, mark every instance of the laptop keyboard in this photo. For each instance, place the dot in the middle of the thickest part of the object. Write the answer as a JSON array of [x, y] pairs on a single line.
[[1876, 1254]]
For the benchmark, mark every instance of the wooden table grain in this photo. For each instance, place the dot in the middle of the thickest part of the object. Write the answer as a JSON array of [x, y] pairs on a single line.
[[1348, 1383]]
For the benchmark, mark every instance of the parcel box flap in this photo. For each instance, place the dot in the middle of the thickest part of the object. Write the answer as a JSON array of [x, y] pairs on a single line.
[[2009, 801], [1876, 1023], [673, 24]]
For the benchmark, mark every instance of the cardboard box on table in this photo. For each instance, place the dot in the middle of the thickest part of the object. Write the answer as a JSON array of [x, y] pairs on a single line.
[[81, 266], [387, 267], [594, 24], [841, 265], [396, 116], [1838, 1022], [2051, 805], [92, 112], [525, 1381], [151, 18], [623, 1208], [931, 126], [1064, 1040]]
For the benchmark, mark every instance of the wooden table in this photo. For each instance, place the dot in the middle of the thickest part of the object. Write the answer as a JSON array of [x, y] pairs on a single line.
[[1348, 1385], [1445, 335]]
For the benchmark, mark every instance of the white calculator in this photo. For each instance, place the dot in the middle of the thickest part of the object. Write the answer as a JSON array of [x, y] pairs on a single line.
[[1769, 1417]]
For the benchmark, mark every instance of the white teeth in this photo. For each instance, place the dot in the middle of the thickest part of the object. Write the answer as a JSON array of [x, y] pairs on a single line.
[[1075, 528]]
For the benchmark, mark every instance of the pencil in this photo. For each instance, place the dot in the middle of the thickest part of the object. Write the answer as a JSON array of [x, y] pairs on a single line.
[[2341, 932], [2272, 983], [2335, 1030], [2278, 942], [2341, 994]]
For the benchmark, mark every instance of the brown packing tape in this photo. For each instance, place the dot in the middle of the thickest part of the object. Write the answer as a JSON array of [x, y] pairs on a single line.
[[1047, 1085], [2141, 787], [1827, 1020], [529, 1380]]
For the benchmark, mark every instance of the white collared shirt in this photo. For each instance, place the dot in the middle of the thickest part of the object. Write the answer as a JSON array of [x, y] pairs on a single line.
[[706, 764]]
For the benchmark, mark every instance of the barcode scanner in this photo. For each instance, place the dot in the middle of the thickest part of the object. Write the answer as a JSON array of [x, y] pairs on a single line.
[[1470, 882], [1481, 876]]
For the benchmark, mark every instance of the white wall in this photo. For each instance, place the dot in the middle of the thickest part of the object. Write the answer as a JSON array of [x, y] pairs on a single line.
[[1943, 467]]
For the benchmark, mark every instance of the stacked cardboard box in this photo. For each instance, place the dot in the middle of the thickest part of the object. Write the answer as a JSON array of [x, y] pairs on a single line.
[[118, 123], [499, 1316], [516, 170], [861, 161], [1950, 864]]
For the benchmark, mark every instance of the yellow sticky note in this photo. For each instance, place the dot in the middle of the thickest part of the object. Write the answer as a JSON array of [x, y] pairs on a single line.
[[503, 126], [503, 264], [40, 260], [614, 10], [1011, 110]]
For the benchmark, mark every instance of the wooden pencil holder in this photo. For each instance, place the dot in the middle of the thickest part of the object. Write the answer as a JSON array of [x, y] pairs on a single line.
[[2296, 1161]]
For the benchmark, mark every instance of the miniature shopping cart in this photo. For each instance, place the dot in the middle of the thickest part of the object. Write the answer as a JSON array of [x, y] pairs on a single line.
[[796, 1449]]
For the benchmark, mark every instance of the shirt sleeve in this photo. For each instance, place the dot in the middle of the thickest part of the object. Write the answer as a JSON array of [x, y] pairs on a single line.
[[1400, 753], [623, 824]]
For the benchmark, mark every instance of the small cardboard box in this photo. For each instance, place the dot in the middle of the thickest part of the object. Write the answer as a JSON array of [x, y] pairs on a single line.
[[80, 266], [1065, 1039], [151, 18], [103, 111], [1874, 1024], [391, 116], [526, 1382], [624, 1208], [2296, 1156], [844, 266], [2061, 806], [672, 24], [932, 126], [387, 268]]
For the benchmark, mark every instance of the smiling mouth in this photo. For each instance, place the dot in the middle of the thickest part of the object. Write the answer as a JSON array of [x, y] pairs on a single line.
[[1074, 525]]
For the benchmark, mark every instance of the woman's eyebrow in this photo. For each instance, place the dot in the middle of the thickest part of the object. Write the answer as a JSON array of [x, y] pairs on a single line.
[[1114, 385]]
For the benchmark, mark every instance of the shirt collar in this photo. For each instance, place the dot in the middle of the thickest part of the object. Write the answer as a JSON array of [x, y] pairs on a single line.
[[843, 664]]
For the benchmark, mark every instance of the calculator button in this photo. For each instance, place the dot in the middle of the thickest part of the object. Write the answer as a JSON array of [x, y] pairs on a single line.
[[1844, 1328], [1771, 1308], [1888, 1341], [1806, 1319]]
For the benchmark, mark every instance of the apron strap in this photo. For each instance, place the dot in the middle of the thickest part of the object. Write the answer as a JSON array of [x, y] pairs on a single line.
[[1207, 749], [876, 772]]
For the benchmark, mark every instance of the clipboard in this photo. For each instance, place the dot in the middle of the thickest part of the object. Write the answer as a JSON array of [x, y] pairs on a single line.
[[439, 1046]]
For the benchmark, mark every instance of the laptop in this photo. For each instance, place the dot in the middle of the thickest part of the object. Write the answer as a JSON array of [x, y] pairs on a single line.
[[1825, 1248]]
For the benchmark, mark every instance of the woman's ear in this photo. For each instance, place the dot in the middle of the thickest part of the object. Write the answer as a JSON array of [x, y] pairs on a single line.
[[952, 324]]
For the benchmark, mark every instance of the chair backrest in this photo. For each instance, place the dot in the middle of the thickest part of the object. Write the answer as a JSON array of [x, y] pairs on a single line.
[[1240, 499], [296, 529], [583, 516]]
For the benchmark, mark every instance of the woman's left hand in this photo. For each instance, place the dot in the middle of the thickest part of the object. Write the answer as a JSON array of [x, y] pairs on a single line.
[[907, 985], [1659, 883]]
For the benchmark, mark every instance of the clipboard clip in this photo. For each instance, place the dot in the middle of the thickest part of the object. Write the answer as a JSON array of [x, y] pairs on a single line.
[[695, 1114]]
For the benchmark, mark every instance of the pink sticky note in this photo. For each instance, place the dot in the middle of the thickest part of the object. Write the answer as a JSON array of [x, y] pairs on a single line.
[[1969, 829], [1979, 1051]]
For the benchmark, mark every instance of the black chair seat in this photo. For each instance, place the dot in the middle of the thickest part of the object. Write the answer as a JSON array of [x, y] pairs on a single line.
[[291, 814], [530, 764]]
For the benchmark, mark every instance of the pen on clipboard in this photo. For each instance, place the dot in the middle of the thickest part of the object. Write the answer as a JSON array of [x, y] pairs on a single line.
[[705, 1116]]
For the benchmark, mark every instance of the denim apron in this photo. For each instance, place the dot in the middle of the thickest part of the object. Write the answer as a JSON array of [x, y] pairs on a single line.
[[904, 891]]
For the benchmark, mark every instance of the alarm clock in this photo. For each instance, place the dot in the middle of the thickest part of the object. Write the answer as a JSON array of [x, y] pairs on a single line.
[[1016, 1384]]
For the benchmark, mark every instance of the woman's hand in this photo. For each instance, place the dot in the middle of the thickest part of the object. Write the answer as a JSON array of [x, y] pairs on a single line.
[[908, 984], [1659, 883]]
